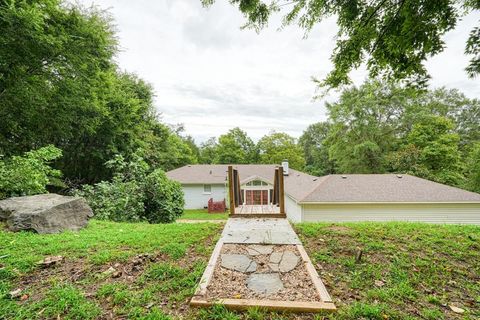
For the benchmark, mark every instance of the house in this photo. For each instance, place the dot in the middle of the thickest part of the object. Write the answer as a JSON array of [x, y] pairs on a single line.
[[335, 198]]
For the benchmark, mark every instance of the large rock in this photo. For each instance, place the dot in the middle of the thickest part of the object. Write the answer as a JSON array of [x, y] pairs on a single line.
[[45, 213]]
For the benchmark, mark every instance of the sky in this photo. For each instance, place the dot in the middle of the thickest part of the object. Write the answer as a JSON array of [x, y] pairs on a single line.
[[210, 75]]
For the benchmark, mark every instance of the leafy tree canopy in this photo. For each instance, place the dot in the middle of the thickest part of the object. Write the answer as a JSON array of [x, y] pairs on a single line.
[[315, 150], [235, 147], [383, 127], [59, 85], [394, 37], [279, 146]]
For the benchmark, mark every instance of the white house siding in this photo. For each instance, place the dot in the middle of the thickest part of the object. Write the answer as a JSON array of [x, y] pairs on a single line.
[[294, 211], [465, 213], [195, 198]]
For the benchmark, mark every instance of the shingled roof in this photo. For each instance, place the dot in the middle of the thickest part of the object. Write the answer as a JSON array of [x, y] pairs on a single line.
[[297, 184], [385, 188], [306, 188]]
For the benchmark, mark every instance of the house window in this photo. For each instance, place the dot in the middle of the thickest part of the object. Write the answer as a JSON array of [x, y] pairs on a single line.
[[207, 188], [257, 183]]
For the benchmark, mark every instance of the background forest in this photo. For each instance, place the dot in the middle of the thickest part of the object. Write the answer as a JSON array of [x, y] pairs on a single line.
[[72, 120], [376, 128]]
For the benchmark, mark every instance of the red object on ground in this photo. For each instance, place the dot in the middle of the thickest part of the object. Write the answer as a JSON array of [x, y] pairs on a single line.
[[216, 206]]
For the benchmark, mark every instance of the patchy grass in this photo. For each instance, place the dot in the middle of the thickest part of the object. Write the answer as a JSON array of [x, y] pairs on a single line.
[[407, 271], [202, 214], [159, 267]]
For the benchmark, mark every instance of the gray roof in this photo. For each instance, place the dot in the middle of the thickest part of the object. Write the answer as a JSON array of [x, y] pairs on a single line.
[[385, 188], [333, 188], [297, 183]]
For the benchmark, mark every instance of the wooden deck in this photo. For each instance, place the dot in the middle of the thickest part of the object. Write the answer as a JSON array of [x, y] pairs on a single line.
[[255, 209], [258, 211]]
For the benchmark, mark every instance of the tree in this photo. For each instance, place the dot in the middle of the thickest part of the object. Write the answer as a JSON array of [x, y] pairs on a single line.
[[279, 146], [394, 37], [208, 151], [59, 85], [473, 169], [315, 149], [235, 147], [366, 125], [29, 174], [434, 147]]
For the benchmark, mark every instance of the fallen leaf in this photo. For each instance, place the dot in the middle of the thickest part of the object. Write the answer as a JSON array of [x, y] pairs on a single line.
[[15, 293], [24, 297], [379, 283], [456, 309], [109, 271], [48, 261]]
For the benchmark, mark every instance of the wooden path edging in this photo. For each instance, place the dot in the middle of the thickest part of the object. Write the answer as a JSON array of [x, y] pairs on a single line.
[[199, 300]]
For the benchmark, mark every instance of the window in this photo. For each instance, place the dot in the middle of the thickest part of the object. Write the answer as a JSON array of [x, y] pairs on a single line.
[[257, 183], [207, 188]]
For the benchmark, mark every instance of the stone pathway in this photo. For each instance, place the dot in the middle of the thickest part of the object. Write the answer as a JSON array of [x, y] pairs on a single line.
[[259, 231], [263, 283], [263, 261]]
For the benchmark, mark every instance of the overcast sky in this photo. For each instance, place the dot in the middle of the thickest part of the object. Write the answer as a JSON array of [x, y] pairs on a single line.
[[211, 76]]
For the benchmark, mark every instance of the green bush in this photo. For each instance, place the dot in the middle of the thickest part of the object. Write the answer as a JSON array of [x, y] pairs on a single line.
[[134, 194], [164, 200], [116, 200], [29, 174]]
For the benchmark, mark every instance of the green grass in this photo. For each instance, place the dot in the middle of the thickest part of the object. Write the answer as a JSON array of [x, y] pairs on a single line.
[[201, 214], [407, 271], [422, 268]]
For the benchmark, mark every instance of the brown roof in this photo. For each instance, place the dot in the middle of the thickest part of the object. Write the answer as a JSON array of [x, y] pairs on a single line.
[[386, 188], [333, 188]]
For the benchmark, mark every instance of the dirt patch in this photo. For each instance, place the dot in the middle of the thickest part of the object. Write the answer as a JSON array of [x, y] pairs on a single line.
[[338, 228], [226, 283]]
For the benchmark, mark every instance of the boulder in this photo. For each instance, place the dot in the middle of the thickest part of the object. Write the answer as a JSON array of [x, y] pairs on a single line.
[[45, 213]]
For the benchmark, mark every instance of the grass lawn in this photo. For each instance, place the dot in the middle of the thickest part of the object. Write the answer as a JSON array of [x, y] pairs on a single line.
[[407, 271], [202, 214]]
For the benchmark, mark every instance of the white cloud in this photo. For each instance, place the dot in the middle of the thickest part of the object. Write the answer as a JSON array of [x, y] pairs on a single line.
[[211, 76]]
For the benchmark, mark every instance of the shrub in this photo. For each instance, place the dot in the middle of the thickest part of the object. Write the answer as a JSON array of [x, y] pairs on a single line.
[[134, 194], [163, 198], [116, 200], [28, 174]]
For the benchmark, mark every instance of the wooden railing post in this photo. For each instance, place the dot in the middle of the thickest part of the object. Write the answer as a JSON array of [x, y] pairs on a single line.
[[281, 190], [231, 199]]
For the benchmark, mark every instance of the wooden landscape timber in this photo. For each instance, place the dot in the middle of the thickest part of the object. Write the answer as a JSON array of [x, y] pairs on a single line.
[[325, 303]]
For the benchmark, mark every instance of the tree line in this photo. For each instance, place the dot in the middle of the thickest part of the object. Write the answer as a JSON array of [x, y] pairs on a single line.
[[379, 127], [60, 86]]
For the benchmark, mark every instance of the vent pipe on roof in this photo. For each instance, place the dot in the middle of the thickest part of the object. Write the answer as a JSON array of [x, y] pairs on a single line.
[[285, 167]]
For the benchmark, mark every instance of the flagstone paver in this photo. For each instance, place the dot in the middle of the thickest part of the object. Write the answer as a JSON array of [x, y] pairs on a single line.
[[257, 249], [238, 262], [289, 262], [264, 283]]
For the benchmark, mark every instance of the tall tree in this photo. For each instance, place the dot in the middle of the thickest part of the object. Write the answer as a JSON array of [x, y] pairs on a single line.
[[315, 149], [278, 146], [59, 85], [235, 147], [473, 168], [208, 151], [394, 37], [432, 152], [366, 123]]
